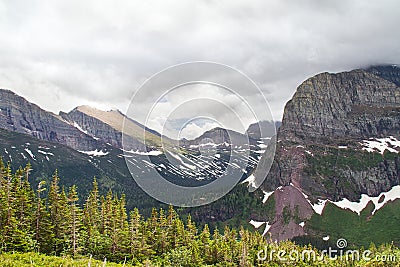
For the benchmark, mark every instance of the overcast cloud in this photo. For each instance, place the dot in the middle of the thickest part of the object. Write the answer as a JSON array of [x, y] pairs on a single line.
[[60, 54]]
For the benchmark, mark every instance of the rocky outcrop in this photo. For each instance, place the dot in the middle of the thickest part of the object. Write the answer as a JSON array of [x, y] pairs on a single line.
[[348, 105], [94, 127], [319, 148], [19, 115], [108, 127]]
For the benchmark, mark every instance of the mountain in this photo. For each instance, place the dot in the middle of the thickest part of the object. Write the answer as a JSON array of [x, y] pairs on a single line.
[[219, 137], [74, 167], [19, 115], [107, 126], [338, 142], [336, 157], [84, 128], [266, 128], [87, 142]]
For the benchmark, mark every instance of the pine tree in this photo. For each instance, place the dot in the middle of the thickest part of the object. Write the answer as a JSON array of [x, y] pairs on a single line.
[[75, 221], [153, 230], [107, 213], [217, 246], [23, 197], [205, 249], [7, 216], [42, 223], [92, 221], [123, 228], [162, 232], [18, 197], [191, 231], [135, 235], [243, 247], [59, 215], [119, 228]]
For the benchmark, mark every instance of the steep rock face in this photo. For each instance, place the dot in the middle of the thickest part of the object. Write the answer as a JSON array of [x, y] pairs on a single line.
[[107, 126], [19, 115], [330, 111], [355, 104], [94, 127], [321, 142]]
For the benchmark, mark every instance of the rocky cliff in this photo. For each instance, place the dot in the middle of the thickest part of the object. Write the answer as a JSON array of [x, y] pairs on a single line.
[[348, 105], [339, 138], [107, 127], [19, 115]]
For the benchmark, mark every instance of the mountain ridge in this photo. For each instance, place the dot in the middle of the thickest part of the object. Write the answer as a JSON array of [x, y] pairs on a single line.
[[331, 144]]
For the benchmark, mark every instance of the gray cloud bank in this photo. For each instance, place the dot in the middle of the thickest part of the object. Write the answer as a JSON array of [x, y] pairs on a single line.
[[60, 54]]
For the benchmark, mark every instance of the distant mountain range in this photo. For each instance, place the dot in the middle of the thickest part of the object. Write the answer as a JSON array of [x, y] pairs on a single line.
[[87, 142]]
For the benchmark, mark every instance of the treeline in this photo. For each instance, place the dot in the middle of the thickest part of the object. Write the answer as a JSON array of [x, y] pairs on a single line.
[[49, 220]]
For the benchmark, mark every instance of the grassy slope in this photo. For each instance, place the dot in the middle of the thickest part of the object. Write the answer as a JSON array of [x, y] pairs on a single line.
[[358, 230], [33, 259], [39, 260]]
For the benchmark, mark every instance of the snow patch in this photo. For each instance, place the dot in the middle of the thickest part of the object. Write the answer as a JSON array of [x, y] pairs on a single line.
[[175, 156], [30, 153], [319, 206], [357, 207], [256, 224], [251, 180], [45, 153], [97, 153], [266, 196], [309, 152], [381, 144], [76, 125], [267, 227], [262, 146], [148, 153]]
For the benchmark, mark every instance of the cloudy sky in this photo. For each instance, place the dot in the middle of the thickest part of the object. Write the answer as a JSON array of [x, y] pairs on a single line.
[[60, 54]]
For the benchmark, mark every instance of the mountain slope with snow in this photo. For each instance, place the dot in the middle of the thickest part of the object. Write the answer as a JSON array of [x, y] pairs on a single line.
[[338, 145]]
